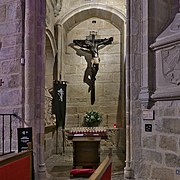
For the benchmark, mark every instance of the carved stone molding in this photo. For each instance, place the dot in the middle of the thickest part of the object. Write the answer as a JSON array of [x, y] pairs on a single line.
[[146, 63], [167, 49], [58, 7], [170, 36], [145, 97], [171, 64]]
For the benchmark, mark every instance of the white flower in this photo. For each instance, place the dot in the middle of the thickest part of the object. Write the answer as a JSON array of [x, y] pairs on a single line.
[[92, 118]]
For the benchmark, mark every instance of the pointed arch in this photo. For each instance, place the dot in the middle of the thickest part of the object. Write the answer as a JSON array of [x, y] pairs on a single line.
[[52, 41]]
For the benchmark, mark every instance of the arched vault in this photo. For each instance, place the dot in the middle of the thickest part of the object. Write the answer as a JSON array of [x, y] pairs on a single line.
[[78, 15]]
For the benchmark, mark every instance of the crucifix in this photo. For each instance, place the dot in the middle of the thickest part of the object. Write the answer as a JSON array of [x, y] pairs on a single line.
[[93, 45]]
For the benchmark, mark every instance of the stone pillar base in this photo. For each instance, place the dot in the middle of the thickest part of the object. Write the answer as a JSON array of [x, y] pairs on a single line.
[[128, 173], [42, 172], [42, 176]]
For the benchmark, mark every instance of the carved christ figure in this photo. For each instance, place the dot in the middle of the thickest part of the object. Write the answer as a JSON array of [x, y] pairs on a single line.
[[93, 45]]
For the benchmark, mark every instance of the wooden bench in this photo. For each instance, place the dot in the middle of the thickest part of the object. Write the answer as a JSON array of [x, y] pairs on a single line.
[[103, 172], [16, 166]]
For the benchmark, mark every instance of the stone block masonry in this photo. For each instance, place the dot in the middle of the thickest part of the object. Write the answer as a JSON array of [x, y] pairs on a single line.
[[10, 55], [158, 150], [108, 76], [10, 52], [2, 13]]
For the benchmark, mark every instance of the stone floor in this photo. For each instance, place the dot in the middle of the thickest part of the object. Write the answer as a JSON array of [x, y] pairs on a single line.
[[59, 166]]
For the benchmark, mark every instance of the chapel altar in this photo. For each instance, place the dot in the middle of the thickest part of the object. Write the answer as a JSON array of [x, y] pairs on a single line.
[[86, 145]]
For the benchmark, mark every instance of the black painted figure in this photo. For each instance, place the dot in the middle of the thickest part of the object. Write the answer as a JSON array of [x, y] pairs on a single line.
[[93, 45]]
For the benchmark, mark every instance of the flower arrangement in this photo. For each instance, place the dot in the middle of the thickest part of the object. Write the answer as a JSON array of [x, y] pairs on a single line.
[[92, 118]]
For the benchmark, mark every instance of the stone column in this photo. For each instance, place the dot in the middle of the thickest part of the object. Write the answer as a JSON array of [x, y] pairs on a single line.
[[60, 43], [35, 79], [128, 172], [29, 62], [59, 53], [145, 93], [40, 85]]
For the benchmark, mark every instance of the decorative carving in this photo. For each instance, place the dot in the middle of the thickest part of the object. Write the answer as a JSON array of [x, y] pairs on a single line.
[[175, 26], [58, 7], [47, 15], [50, 118], [167, 47], [171, 64]]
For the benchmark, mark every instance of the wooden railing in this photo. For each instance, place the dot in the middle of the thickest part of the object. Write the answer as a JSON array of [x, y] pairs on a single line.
[[16, 166], [103, 172]]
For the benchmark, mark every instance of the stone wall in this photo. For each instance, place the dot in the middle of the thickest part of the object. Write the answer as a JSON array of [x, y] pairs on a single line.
[[155, 154], [75, 22], [10, 55], [71, 67], [107, 79], [22, 69], [160, 148], [11, 19], [52, 141]]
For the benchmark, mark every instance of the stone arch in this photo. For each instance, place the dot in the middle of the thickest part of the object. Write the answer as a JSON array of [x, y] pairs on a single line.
[[52, 41], [50, 74], [110, 14], [51, 51], [71, 19], [117, 19], [67, 22]]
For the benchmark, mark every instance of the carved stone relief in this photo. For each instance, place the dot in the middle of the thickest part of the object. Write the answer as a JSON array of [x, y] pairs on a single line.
[[167, 49], [50, 118], [58, 7], [47, 15], [171, 64]]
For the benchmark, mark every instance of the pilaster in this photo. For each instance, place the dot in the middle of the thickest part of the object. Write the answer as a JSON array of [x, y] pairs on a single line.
[[35, 79]]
